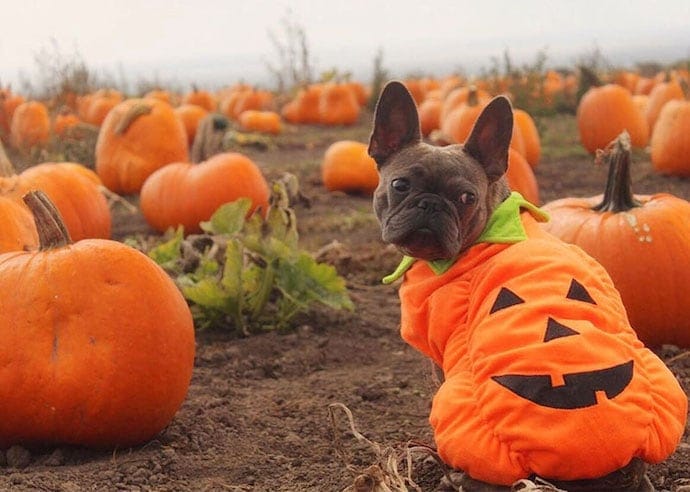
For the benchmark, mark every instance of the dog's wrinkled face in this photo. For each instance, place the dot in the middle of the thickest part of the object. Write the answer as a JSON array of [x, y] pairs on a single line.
[[433, 202]]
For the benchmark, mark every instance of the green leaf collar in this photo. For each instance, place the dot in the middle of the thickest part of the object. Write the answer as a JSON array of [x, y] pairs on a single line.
[[503, 227]]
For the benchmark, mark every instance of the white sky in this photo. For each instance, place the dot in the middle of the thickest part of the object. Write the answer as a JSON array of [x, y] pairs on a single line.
[[155, 34]]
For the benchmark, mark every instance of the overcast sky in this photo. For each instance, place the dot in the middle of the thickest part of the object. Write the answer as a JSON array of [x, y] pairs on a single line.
[[178, 38]]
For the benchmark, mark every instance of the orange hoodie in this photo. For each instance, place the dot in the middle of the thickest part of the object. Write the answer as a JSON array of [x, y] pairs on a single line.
[[543, 373]]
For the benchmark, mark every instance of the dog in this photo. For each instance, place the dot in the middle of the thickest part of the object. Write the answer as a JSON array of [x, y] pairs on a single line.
[[543, 376]]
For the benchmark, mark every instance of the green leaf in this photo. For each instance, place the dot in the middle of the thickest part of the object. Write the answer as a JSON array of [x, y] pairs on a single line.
[[206, 292], [168, 253], [229, 218]]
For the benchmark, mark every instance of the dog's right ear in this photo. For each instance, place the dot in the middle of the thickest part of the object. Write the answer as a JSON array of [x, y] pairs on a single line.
[[396, 122]]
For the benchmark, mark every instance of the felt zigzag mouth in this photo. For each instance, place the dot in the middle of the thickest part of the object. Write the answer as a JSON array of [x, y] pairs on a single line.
[[579, 390]]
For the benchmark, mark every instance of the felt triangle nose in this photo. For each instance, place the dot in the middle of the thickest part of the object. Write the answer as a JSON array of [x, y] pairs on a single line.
[[554, 329]]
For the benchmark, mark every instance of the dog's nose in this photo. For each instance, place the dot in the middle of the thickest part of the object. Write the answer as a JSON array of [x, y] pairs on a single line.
[[429, 205]]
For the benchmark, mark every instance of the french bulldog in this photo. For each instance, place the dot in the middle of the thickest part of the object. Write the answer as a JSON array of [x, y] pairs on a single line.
[[438, 206]]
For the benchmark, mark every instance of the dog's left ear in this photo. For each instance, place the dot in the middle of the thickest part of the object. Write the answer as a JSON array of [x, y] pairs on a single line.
[[490, 137], [396, 123]]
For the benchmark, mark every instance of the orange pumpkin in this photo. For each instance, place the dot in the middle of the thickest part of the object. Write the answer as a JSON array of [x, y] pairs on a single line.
[[190, 115], [521, 178], [604, 112], [338, 105], [8, 104], [64, 122], [260, 121], [30, 125], [93, 108], [670, 143], [347, 167], [304, 108], [643, 241], [662, 93], [430, 115], [98, 341], [530, 136], [73, 189], [187, 194], [137, 137], [201, 98], [543, 373]]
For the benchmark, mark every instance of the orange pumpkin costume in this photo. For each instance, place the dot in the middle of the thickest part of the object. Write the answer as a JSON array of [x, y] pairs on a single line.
[[543, 373]]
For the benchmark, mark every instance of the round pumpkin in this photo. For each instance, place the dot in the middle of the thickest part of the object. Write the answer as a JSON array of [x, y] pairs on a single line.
[[8, 104], [137, 137], [64, 122], [347, 167], [670, 143], [201, 98], [260, 121], [530, 136], [338, 105], [430, 115], [662, 93], [604, 112], [643, 241], [187, 194], [98, 342], [30, 125], [73, 188]]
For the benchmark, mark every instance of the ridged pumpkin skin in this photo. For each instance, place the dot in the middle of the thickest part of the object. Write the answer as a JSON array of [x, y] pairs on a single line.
[[521, 178], [604, 112], [347, 167], [137, 137], [98, 346], [186, 194], [670, 144], [17, 229]]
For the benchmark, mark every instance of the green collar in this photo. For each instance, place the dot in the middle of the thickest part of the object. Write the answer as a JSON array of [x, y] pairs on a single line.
[[504, 227]]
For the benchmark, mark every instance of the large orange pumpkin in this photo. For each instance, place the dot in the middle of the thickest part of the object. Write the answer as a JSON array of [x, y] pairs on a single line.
[[670, 143], [137, 137], [530, 136], [98, 342], [347, 167], [604, 112], [187, 194], [643, 241], [30, 125]]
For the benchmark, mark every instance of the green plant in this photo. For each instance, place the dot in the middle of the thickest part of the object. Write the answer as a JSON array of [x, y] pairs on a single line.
[[248, 273]]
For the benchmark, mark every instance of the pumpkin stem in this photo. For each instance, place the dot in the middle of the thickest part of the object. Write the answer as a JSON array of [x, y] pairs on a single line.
[[618, 196], [132, 114], [52, 232], [6, 167]]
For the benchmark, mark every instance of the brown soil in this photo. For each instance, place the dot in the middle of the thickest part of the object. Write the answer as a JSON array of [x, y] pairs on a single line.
[[257, 414]]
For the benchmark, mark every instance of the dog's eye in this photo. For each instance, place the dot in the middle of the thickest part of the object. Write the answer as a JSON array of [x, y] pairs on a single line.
[[467, 198], [400, 184]]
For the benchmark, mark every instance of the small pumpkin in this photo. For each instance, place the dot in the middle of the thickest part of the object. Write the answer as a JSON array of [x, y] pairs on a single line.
[[521, 178], [64, 123], [98, 341], [338, 105], [670, 143], [8, 104], [530, 136], [186, 194], [643, 241], [347, 167], [604, 112], [201, 98], [30, 126], [137, 137], [662, 93], [260, 121], [93, 108], [430, 115]]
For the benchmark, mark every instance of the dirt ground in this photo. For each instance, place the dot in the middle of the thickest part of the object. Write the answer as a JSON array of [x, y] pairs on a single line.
[[257, 414]]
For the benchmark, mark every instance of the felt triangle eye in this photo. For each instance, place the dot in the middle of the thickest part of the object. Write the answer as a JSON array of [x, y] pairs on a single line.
[[554, 329], [505, 299], [577, 292]]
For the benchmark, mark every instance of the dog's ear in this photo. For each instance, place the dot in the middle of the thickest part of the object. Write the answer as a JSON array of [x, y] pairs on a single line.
[[490, 137], [396, 122]]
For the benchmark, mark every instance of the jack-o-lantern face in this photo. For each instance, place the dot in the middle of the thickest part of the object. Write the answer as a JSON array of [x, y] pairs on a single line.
[[579, 388]]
